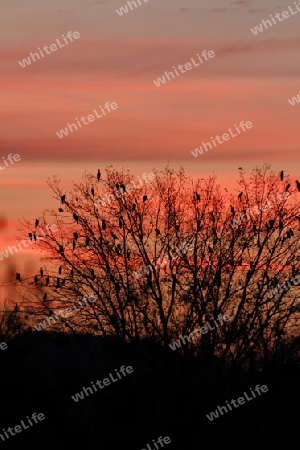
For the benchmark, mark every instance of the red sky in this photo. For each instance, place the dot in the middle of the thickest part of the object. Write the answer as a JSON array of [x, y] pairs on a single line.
[[116, 59]]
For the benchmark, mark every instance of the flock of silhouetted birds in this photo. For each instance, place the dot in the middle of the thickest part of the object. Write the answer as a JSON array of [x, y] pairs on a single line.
[[61, 281]]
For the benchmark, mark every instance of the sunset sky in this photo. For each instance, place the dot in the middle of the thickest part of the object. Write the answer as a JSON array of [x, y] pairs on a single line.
[[116, 59]]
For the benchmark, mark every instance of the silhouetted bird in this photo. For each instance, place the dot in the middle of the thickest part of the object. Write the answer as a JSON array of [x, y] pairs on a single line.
[[75, 235], [44, 297], [61, 249], [75, 217], [271, 223], [87, 241], [157, 231], [117, 186], [98, 175], [36, 222], [30, 236], [47, 281], [58, 282], [280, 225], [93, 192], [120, 223], [103, 224], [240, 168], [18, 276], [63, 198], [59, 270], [281, 175], [133, 207], [232, 210], [298, 185], [123, 187], [60, 210], [35, 279], [41, 272], [34, 235], [73, 245], [113, 235], [197, 196], [240, 195], [145, 198], [128, 254], [287, 188]]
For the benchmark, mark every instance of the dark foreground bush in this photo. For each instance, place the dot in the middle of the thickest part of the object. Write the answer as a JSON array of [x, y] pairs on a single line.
[[165, 396]]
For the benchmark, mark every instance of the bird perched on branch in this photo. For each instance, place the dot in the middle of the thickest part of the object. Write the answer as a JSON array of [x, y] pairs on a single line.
[[281, 175], [145, 198], [98, 175], [197, 196], [36, 222], [18, 276], [34, 235], [232, 210], [47, 281], [59, 270], [60, 210], [92, 191], [75, 217], [63, 199], [133, 207], [298, 185], [240, 195], [75, 235], [120, 223], [157, 231], [87, 241], [103, 224], [41, 272], [287, 188], [35, 279], [30, 236]]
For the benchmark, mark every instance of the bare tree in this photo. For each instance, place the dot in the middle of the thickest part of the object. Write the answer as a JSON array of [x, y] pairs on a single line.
[[167, 256]]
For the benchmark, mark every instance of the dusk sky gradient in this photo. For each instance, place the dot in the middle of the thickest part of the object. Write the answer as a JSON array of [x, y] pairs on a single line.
[[116, 59]]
